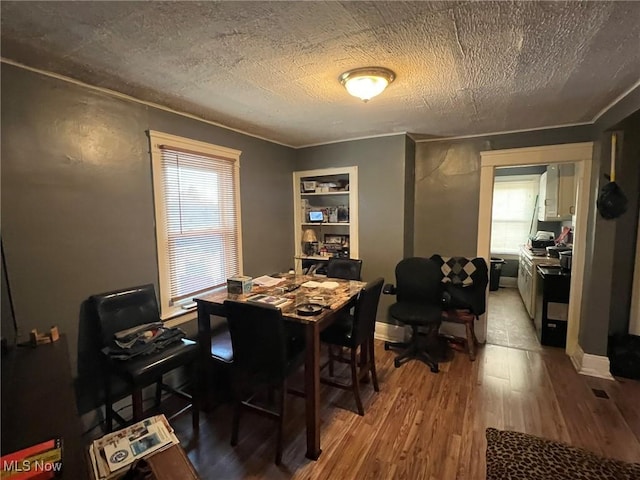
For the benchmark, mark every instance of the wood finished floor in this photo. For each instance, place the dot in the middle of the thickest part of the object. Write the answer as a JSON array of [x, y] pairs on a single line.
[[428, 426]]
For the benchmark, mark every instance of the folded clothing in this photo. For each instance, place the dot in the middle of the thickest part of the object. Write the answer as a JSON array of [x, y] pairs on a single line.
[[142, 341]]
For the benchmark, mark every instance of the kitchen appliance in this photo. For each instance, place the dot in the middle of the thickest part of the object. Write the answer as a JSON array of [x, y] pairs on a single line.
[[542, 239], [555, 250], [566, 259], [542, 243]]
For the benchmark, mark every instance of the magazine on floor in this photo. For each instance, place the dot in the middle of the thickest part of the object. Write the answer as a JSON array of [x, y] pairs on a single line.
[[112, 454]]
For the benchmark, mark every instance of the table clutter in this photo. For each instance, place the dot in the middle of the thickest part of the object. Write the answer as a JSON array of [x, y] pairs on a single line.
[[333, 300]]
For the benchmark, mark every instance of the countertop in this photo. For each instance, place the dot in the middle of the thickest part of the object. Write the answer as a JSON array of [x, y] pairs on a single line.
[[539, 259]]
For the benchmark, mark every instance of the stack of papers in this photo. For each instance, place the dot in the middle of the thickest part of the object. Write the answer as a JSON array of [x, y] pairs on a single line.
[[314, 284], [267, 281], [112, 454], [268, 299]]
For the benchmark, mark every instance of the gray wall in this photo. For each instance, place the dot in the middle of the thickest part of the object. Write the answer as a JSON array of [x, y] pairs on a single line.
[[381, 197], [610, 245], [448, 186], [409, 196], [77, 202]]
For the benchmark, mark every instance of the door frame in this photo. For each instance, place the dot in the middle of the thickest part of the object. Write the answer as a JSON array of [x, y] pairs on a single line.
[[581, 155]]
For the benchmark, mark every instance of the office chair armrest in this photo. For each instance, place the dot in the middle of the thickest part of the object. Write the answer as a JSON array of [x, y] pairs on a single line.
[[389, 289]]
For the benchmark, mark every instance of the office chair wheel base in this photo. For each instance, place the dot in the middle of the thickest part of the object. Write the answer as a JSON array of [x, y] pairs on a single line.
[[435, 369], [386, 346], [397, 363]]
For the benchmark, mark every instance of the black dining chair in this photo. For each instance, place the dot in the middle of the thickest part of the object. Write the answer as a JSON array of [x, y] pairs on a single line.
[[418, 292], [264, 355], [345, 268], [356, 332], [124, 309]]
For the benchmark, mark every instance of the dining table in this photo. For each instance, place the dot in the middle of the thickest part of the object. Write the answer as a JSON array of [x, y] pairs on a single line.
[[328, 297]]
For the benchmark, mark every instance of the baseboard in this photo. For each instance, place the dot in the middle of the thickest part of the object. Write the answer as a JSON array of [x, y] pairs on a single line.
[[591, 365], [389, 332]]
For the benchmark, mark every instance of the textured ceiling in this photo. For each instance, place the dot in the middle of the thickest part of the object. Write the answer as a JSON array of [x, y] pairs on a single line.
[[270, 68]]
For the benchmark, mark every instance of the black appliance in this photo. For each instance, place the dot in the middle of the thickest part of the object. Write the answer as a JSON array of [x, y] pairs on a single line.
[[555, 250], [566, 259], [552, 305]]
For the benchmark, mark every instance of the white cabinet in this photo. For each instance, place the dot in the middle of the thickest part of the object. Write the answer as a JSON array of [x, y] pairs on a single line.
[[525, 282], [528, 277], [556, 199], [326, 203]]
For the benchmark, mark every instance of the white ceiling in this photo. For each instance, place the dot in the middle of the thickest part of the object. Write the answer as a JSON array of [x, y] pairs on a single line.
[[271, 68]]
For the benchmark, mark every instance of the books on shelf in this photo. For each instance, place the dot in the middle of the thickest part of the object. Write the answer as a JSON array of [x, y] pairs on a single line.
[[112, 454], [269, 300]]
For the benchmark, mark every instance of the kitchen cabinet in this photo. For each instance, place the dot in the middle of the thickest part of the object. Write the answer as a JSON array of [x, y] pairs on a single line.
[[325, 202], [528, 279], [557, 193]]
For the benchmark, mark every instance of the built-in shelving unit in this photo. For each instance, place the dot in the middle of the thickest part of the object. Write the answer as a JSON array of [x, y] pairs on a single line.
[[326, 203]]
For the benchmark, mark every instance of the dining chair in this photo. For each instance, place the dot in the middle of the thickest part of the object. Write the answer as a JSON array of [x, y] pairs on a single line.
[[263, 358], [356, 332], [120, 310], [216, 353], [464, 293], [345, 268], [418, 304]]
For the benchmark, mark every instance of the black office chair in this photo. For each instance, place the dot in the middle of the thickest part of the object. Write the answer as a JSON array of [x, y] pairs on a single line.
[[356, 332], [464, 294], [263, 358], [418, 292], [345, 268], [124, 309]]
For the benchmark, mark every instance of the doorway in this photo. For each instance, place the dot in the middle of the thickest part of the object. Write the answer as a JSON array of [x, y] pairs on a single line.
[[581, 155]]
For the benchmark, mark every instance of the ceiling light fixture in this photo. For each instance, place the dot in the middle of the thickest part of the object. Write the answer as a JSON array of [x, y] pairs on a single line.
[[365, 83]]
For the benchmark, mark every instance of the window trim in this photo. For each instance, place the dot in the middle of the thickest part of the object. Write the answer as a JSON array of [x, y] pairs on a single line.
[[156, 139], [528, 178]]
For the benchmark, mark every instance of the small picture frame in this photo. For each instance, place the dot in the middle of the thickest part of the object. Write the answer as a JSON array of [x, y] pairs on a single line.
[[330, 238], [308, 186]]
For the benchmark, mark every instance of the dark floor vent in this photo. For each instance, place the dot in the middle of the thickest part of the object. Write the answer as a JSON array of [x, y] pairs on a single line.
[[600, 393]]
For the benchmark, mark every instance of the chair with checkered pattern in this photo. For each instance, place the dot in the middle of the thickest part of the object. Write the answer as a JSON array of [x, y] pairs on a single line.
[[465, 283]]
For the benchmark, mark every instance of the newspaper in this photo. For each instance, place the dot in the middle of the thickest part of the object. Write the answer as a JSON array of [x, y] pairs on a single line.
[[269, 300], [113, 453]]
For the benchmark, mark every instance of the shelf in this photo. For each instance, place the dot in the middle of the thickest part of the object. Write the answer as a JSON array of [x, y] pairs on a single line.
[[334, 192], [311, 194], [313, 257], [318, 224]]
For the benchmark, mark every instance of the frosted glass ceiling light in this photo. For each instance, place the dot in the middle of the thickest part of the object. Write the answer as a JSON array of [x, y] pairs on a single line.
[[365, 83]]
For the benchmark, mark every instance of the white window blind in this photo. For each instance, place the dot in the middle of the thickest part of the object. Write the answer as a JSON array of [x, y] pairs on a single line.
[[514, 201], [197, 218]]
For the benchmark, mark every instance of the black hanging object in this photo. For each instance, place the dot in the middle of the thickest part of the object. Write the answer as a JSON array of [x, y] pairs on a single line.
[[612, 201]]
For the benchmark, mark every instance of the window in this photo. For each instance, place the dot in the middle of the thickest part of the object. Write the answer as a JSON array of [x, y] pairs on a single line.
[[514, 202], [197, 206]]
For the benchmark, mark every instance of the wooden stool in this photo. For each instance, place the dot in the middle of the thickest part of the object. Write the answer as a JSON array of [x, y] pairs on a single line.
[[467, 318]]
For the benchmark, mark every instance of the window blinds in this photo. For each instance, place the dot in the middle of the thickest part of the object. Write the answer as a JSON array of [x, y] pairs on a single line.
[[201, 221], [513, 209]]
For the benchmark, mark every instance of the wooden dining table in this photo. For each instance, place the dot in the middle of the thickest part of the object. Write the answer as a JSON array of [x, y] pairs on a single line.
[[333, 300]]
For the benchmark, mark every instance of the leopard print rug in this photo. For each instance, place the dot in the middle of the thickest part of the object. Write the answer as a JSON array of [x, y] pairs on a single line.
[[519, 456]]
